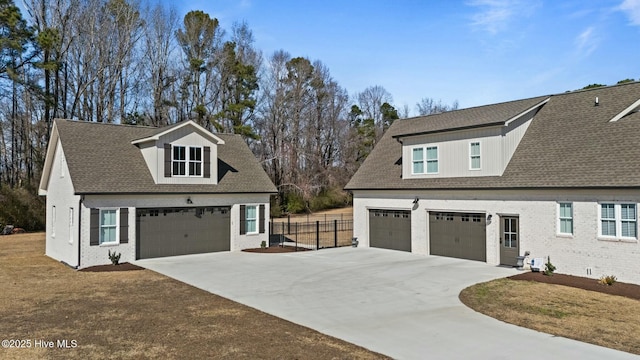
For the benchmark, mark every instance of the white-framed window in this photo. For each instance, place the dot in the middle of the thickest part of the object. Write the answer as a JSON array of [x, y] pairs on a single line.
[[432, 160], [418, 160], [186, 161], [474, 155], [251, 216], [109, 226], [565, 218], [628, 221], [618, 220], [424, 160]]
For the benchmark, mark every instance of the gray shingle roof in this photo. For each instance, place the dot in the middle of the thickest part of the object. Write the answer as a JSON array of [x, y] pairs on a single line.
[[101, 159], [569, 144]]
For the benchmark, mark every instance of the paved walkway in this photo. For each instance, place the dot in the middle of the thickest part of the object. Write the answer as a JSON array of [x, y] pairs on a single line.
[[399, 304]]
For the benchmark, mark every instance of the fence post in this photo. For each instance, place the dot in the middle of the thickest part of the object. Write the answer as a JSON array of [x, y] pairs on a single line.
[[317, 235], [335, 233], [296, 236], [288, 225]]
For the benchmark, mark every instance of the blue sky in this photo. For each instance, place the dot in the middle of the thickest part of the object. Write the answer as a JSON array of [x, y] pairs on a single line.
[[476, 51]]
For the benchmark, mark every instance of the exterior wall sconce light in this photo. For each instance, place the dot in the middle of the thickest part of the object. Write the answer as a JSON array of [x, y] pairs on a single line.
[[189, 200], [415, 201], [489, 218]]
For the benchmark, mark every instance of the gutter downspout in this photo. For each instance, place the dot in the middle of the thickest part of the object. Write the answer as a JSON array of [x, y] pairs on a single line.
[[79, 228]]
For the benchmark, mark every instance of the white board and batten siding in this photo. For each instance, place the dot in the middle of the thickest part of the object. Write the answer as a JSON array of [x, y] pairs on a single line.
[[497, 145], [153, 153], [584, 253]]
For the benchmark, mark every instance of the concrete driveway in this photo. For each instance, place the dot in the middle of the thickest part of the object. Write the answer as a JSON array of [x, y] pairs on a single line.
[[399, 304]]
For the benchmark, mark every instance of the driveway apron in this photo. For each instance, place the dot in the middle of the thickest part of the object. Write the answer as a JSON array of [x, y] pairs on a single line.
[[400, 304]]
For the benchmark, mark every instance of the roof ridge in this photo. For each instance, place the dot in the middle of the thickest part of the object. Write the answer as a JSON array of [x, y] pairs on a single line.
[[596, 88], [76, 121], [477, 107]]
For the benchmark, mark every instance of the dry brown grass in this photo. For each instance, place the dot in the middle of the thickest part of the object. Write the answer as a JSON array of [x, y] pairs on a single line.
[[592, 317], [138, 314]]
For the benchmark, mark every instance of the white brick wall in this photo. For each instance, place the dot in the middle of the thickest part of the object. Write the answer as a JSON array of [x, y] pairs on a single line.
[[98, 255], [537, 211]]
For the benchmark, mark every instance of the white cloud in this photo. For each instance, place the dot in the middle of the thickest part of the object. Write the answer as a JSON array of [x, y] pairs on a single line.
[[632, 8], [494, 16], [587, 41]]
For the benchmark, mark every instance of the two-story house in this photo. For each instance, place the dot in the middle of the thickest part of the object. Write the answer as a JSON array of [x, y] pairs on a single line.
[[555, 176], [149, 192]]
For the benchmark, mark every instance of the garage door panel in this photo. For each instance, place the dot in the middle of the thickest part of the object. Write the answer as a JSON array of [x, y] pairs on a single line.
[[390, 229], [182, 231], [459, 235]]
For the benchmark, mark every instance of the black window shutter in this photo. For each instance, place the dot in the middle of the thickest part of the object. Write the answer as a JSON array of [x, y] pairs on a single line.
[[94, 227], [207, 162], [167, 160], [262, 219], [243, 219], [124, 225]]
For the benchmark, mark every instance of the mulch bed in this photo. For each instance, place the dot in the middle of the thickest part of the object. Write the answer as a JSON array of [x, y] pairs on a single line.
[[120, 267], [276, 249], [631, 291]]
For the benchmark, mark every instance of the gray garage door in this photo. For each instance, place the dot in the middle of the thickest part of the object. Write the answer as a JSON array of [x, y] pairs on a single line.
[[458, 235], [181, 231], [390, 229]]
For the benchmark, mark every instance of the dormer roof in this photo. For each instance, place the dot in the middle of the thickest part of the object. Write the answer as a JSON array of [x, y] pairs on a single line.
[[159, 132]]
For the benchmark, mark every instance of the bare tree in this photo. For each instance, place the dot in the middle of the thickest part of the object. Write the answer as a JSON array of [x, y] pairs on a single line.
[[428, 106]]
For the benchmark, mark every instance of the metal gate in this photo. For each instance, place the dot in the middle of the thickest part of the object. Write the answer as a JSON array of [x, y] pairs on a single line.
[[390, 229], [180, 231], [459, 235]]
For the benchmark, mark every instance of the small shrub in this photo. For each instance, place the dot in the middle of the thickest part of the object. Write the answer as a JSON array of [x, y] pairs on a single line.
[[549, 268], [608, 280], [263, 244], [115, 258]]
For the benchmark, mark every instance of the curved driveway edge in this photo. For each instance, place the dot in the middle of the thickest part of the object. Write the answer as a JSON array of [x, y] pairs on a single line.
[[399, 304]]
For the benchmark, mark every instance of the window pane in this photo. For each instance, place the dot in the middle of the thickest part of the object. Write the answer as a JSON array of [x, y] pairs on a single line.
[[629, 229], [179, 153], [418, 154], [418, 167], [608, 228], [432, 166], [475, 149], [108, 234], [195, 153], [432, 153], [566, 226], [607, 211], [108, 217], [566, 210], [475, 162], [628, 211], [195, 168]]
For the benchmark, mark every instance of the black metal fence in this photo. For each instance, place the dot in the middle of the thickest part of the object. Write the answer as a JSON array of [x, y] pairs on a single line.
[[311, 235]]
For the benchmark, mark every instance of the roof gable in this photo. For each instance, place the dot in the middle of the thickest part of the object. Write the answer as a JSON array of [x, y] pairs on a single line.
[[160, 132], [470, 118]]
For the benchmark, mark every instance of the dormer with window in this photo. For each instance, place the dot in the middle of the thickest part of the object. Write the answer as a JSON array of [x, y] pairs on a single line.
[[465, 143], [182, 154]]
